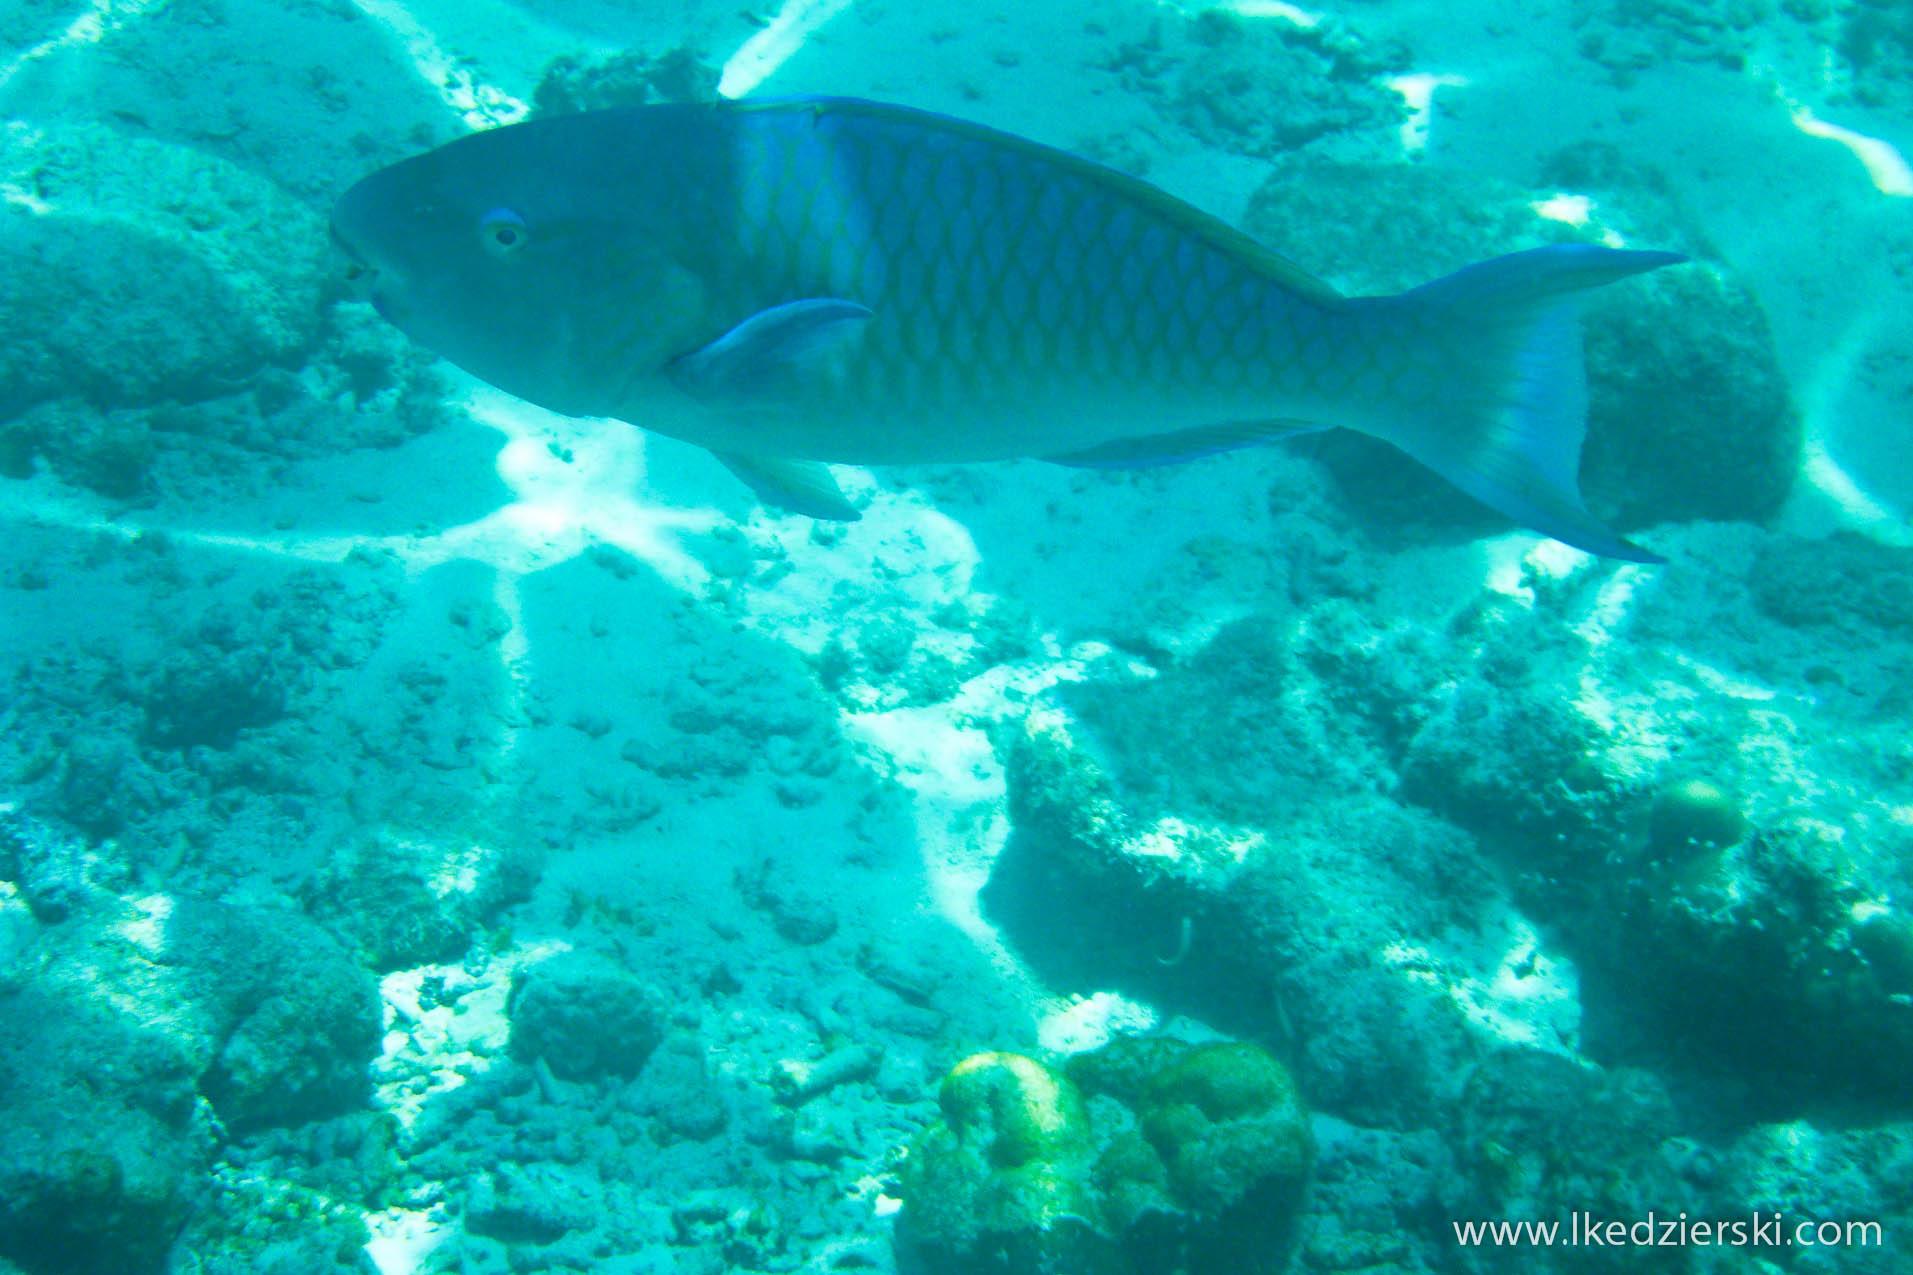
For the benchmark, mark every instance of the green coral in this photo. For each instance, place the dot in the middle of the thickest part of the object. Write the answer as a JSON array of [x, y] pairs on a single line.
[[1194, 1161], [1693, 813], [1885, 939], [1226, 1121], [1014, 1107], [1003, 1182], [1126, 1067]]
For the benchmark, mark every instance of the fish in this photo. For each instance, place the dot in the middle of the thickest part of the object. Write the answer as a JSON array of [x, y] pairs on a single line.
[[793, 283]]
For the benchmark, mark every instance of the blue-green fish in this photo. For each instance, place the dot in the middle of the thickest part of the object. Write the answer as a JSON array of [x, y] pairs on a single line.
[[796, 282]]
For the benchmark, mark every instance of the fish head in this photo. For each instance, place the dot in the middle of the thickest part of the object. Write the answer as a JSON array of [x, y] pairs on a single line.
[[514, 255]]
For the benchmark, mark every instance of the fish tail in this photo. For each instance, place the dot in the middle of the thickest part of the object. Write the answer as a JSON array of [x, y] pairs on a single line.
[[1496, 399]]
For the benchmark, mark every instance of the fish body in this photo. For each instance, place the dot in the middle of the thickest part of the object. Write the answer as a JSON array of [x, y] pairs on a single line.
[[797, 282]]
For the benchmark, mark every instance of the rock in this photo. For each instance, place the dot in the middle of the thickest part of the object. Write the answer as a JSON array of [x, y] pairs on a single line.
[[532, 1203], [1545, 1135], [1845, 581], [1766, 966], [676, 1086], [1136, 880], [628, 78], [796, 1081], [1261, 88], [204, 695], [297, 1020], [401, 905], [123, 299], [584, 1016], [800, 914], [1876, 40], [102, 1147], [141, 1010]]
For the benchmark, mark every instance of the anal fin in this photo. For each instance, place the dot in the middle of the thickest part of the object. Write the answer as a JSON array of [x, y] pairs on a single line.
[[800, 486], [1183, 444]]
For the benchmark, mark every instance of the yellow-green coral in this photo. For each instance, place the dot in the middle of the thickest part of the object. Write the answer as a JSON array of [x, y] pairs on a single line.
[[1195, 1162], [1226, 1121], [1225, 1080], [1012, 1107], [1007, 1170], [1695, 812], [1885, 939]]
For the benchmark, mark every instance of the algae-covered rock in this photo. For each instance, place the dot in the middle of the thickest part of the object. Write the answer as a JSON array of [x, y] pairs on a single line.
[[584, 1017], [1192, 1159], [1002, 1182], [139, 271], [1261, 88], [1681, 795], [1885, 941], [1013, 1109], [296, 1019], [1230, 1127], [101, 1146], [1694, 813], [1127, 1067], [1543, 1135], [155, 1022], [1771, 960], [399, 904], [1846, 581]]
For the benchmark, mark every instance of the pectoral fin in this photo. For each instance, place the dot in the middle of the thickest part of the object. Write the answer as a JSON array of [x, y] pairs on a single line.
[[1185, 444], [773, 355], [800, 486]]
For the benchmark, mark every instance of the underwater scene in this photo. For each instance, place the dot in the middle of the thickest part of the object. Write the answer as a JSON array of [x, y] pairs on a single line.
[[1082, 637]]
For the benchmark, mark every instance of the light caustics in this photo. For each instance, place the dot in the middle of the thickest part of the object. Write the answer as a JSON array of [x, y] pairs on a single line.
[[1291, 13], [1819, 397], [1418, 91], [776, 44], [92, 26], [1885, 166], [1824, 474], [478, 104], [573, 484]]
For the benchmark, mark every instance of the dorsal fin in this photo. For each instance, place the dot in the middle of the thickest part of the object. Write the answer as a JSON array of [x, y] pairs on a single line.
[[1185, 217]]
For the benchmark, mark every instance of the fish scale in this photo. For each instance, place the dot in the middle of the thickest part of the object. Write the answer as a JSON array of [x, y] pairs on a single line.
[[799, 282], [1037, 264]]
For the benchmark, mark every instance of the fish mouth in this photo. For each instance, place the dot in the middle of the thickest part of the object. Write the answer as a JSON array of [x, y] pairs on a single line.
[[356, 264], [362, 278]]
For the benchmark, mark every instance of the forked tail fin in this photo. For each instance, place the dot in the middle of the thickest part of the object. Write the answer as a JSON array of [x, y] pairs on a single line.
[[1502, 406]]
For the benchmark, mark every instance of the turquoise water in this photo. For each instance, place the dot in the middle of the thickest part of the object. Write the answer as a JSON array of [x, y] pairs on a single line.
[[437, 835]]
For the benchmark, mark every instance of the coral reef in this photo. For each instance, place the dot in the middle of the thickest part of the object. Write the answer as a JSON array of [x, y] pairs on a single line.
[[575, 82], [1194, 1161], [1261, 88], [217, 1021]]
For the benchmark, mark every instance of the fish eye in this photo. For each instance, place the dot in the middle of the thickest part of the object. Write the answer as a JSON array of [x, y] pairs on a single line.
[[503, 232]]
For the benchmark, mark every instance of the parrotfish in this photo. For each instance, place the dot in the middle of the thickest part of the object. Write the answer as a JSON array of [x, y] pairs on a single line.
[[796, 282]]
